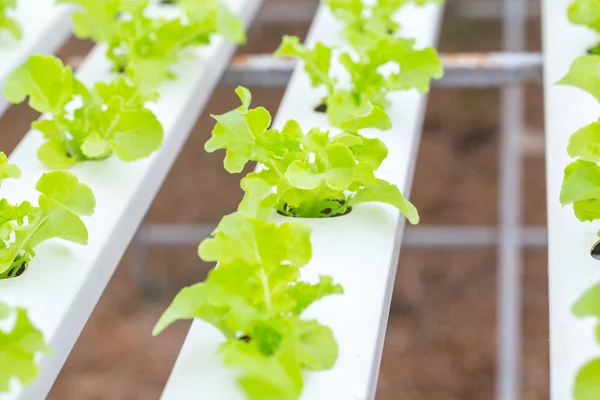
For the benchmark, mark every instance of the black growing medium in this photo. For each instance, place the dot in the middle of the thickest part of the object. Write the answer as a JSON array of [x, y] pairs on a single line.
[[595, 253], [321, 108], [325, 213], [16, 271]]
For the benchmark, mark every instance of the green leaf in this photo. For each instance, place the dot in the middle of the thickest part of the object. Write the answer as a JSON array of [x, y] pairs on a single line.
[[585, 12], [585, 143], [587, 382], [585, 74], [11, 26], [341, 107], [367, 116], [588, 304], [236, 132], [304, 294], [63, 198], [259, 199], [8, 170], [95, 146], [581, 182], [258, 242], [317, 347], [63, 189], [384, 192], [215, 17], [53, 155], [137, 134], [265, 377], [48, 83], [97, 20], [417, 68], [18, 350], [337, 174], [316, 62], [7, 22], [365, 150]]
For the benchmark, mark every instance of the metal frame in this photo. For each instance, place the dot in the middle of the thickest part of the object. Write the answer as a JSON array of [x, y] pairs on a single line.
[[510, 70]]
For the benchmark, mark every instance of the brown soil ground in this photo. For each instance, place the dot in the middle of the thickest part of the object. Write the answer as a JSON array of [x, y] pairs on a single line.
[[441, 338]]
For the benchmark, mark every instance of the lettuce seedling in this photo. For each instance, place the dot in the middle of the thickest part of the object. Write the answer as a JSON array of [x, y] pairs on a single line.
[[19, 347], [145, 47], [6, 22], [62, 201], [84, 124], [255, 297], [369, 85], [586, 13], [581, 183], [308, 175], [369, 18]]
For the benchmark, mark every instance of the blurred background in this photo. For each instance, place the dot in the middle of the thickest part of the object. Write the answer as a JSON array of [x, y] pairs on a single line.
[[441, 340]]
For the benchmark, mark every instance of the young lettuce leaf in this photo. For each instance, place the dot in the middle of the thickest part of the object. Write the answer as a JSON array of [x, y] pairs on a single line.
[[62, 201], [310, 175], [255, 297], [146, 47], [7, 23], [586, 13], [83, 124], [19, 347], [409, 68]]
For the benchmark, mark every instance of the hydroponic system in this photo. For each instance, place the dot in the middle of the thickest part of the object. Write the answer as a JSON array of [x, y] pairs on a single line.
[[288, 311]]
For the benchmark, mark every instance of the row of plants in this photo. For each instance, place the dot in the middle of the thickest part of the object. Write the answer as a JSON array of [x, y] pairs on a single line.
[[255, 295], [581, 182], [88, 124]]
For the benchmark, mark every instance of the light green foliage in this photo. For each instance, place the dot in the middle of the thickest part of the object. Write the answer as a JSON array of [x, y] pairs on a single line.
[[83, 124], [8, 170], [587, 382], [581, 183], [310, 175], [18, 348], [407, 68], [254, 296], [7, 23], [585, 74], [366, 21], [63, 199], [146, 47], [585, 12]]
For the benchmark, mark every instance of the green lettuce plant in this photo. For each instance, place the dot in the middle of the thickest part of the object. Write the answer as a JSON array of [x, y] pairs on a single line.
[[145, 47], [370, 85], [586, 13], [63, 199], [256, 298], [581, 183], [6, 22], [19, 347], [80, 123], [309, 175], [365, 21]]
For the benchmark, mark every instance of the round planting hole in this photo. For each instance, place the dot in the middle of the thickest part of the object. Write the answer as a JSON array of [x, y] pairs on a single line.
[[596, 250]]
